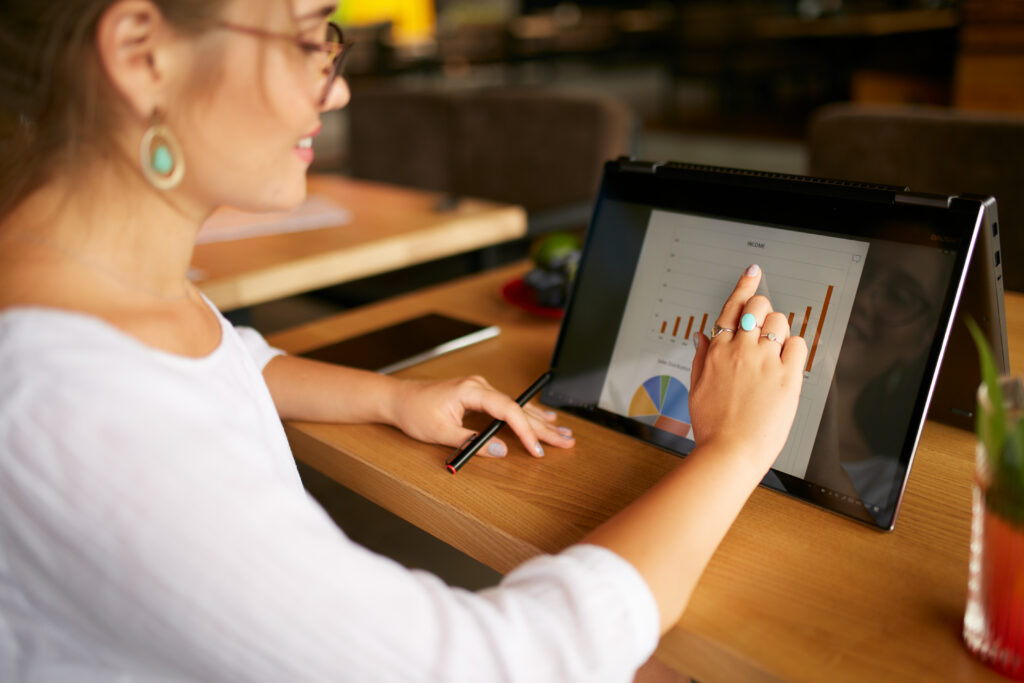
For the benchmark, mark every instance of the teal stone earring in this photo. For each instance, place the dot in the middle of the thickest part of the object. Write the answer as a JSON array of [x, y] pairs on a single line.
[[160, 156], [162, 161]]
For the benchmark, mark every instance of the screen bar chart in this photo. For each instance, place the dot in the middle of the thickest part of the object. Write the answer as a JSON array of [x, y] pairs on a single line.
[[689, 326], [688, 267], [669, 328]]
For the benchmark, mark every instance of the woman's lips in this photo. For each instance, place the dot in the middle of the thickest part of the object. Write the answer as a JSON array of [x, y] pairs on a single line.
[[304, 149]]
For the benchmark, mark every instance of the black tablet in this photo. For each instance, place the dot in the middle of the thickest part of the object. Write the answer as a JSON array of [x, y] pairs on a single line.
[[404, 344], [870, 276]]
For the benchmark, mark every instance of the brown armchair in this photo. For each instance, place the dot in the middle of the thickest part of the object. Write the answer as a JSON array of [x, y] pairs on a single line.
[[538, 148], [930, 149]]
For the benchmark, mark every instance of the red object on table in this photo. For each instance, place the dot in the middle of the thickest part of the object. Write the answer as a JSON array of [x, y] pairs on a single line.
[[522, 296]]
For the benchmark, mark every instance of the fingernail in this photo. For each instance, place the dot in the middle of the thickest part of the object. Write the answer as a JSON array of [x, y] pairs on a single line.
[[496, 449], [696, 341], [550, 414], [565, 431], [539, 450], [753, 270]]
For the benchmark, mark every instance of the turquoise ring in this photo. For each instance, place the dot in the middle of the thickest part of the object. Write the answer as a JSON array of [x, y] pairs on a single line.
[[748, 322]]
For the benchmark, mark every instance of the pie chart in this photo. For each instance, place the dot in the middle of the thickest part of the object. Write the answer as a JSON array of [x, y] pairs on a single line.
[[663, 402]]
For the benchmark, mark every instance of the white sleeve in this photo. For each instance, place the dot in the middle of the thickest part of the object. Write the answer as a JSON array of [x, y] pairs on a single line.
[[257, 346], [161, 551]]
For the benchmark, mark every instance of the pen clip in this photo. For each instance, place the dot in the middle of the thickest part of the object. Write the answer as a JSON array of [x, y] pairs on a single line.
[[463, 445], [457, 458]]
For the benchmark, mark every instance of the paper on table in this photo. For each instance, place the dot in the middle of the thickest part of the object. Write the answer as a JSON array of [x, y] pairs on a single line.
[[231, 224]]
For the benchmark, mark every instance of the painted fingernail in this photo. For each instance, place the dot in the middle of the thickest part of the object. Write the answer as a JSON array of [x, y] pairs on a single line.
[[539, 450], [496, 449], [565, 431], [753, 270], [550, 414]]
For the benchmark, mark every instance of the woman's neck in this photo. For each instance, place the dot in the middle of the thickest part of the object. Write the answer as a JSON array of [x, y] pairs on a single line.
[[117, 251], [115, 225]]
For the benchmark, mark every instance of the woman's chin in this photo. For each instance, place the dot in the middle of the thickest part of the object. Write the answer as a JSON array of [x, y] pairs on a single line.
[[281, 198]]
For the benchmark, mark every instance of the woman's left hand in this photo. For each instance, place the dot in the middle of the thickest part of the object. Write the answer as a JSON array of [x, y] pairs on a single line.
[[432, 411]]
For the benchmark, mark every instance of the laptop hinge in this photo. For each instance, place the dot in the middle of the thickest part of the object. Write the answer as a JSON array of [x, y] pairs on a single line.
[[637, 166], [921, 199]]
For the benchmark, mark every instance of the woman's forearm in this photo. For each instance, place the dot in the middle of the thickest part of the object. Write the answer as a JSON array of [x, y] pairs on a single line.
[[428, 410], [670, 533], [304, 389]]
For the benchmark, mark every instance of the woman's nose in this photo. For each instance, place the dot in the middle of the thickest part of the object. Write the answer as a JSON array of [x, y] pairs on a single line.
[[338, 96]]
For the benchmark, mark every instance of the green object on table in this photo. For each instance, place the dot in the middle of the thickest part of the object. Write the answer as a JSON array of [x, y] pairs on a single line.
[[553, 248], [1001, 434], [993, 628], [555, 258]]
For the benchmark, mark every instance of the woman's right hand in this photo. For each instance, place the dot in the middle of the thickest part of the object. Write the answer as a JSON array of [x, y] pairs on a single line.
[[743, 395], [745, 384]]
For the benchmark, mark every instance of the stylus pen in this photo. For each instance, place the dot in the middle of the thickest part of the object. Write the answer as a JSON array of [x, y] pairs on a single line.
[[469, 450]]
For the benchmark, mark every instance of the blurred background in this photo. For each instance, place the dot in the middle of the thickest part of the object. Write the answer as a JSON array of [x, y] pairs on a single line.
[[692, 72]]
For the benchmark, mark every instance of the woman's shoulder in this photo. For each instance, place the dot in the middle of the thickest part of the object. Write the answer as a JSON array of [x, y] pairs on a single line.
[[65, 357], [30, 329], [72, 377], [43, 345], [56, 350], [181, 324]]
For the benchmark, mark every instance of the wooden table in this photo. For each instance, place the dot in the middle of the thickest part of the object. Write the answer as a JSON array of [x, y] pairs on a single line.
[[391, 228], [794, 592]]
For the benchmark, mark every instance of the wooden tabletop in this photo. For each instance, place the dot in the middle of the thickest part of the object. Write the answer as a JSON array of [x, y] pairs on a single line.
[[391, 228], [794, 592]]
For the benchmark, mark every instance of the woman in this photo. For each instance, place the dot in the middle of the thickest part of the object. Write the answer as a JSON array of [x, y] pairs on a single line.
[[152, 524]]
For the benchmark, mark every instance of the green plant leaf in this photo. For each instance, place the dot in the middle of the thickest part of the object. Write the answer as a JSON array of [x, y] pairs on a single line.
[[1012, 468], [990, 425], [1013, 453]]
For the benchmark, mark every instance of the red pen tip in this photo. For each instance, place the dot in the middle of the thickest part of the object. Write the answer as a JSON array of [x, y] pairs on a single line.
[[451, 469]]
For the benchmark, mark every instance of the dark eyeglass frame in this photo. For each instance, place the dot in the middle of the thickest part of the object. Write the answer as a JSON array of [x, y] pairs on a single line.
[[878, 289], [336, 49]]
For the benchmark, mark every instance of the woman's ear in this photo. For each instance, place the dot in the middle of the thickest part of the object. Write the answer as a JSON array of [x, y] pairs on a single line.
[[132, 41]]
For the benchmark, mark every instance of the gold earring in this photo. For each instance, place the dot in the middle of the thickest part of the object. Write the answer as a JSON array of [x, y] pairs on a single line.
[[160, 156]]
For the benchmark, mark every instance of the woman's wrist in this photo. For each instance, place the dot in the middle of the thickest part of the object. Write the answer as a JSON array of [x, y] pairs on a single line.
[[392, 390], [743, 453]]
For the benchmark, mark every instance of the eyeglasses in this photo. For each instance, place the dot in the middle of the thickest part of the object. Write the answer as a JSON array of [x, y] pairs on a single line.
[[896, 298], [329, 54]]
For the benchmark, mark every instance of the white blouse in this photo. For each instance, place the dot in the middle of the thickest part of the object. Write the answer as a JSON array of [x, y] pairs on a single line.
[[153, 527]]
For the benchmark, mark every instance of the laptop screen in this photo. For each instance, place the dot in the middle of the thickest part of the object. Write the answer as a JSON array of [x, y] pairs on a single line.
[[869, 282]]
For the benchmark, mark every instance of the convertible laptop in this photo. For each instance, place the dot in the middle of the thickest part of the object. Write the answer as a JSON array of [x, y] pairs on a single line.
[[870, 276]]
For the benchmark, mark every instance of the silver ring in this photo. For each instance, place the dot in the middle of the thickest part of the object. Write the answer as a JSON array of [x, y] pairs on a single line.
[[717, 329], [771, 336]]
